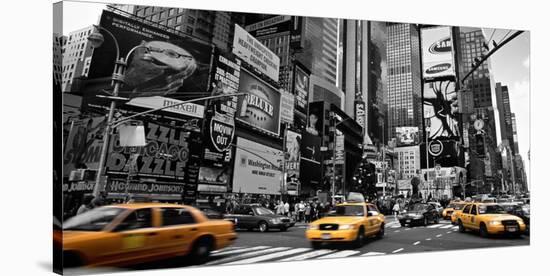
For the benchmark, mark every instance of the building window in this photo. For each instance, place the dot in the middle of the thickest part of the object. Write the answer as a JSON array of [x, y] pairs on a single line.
[[172, 12], [163, 14], [189, 30], [179, 19], [191, 20]]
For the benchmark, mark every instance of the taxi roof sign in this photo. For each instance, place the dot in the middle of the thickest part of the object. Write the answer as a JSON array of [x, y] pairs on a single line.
[[355, 197]]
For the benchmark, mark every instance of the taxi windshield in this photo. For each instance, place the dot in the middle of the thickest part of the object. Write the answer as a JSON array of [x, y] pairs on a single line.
[[418, 207], [456, 206], [491, 209], [93, 220], [263, 211], [347, 211]]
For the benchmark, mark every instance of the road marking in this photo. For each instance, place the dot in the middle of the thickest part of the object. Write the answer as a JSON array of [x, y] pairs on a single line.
[[397, 231], [396, 226], [249, 254], [373, 253], [439, 235], [455, 227], [397, 250], [339, 254], [239, 250], [416, 243], [449, 232], [434, 226], [270, 256], [429, 239], [447, 226], [226, 249], [407, 229], [308, 255]]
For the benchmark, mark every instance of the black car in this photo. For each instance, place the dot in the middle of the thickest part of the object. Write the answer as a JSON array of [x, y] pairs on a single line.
[[419, 213], [257, 217], [520, 210]]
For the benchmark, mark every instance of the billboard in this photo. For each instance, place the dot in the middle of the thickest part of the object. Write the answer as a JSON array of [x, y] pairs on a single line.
[[261, 106], [407, 136], [441, 109], [255, 53], [292, 148], [437, 53], [84, 143], [316, 119], [257, 168], [301, 89], [166, 65], [360, 114], [273, 25]]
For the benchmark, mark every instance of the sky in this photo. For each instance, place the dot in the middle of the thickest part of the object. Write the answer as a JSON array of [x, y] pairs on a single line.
[[510, 64]]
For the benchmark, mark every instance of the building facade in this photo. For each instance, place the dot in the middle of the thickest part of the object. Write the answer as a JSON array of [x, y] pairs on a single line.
[[404, 77], [408, 162], [58, 41], [77, 52]]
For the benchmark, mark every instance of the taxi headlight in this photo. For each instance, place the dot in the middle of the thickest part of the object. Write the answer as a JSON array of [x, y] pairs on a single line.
[[313, 227], [520, 221], [494, 222], [345, 226]]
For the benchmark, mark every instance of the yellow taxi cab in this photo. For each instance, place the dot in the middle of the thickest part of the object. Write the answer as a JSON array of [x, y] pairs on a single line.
[[488, 219], [451, 208], [140, 232], [348, 222]]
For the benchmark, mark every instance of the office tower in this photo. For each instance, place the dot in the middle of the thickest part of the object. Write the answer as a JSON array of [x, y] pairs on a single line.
[[404, 77], [505, 114], [77, 55]]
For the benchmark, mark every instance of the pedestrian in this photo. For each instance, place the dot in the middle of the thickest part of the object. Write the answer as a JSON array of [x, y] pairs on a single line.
[[396, 209], [286, 208], [307, 213], [301, 210], [280, 208], [86, 205]]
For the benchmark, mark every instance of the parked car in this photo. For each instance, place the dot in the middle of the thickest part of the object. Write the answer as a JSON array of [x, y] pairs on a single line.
[[127, 234], [347, 222], [419, 213], [251, 216]]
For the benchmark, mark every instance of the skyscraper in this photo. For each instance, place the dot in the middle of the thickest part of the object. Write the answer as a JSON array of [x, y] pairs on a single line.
[[505, 114], [58, 41], [404, 79], [77, 54]]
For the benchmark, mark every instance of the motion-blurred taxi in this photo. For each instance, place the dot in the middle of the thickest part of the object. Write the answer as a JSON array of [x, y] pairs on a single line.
[[488, 219], [348, 222], [451, 208], [140, 232]]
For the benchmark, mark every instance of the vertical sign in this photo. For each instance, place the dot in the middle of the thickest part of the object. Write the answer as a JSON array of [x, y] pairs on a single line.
[[437, 53]]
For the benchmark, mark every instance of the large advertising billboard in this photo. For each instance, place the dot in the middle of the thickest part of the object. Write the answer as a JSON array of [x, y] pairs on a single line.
[[292, 148], [166, 65], [270, 26], [257, 169], [441, 109], [255, 53], [301, 89], [407, 136], [437, 53], [261, 106], [84, 143]]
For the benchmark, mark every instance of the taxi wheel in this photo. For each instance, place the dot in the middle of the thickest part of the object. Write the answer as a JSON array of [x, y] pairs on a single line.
[[359, 239], [483, 231], [262, 226], [380, 233], [72, 260], [201, 250], [461, 228], [316, 245]]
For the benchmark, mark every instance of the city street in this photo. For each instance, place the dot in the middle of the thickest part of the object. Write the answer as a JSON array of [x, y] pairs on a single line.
[[276, 246]]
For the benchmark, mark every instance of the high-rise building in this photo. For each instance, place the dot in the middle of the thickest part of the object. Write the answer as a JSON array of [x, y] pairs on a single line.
[[377, 98], [58, 41], [77, 54], [505, 113], [515, 134], [404, 77], [210, 26], [408, 160]]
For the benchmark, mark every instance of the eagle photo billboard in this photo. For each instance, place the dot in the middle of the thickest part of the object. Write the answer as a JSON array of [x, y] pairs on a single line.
[[437, 53], [261, 106], [256, 168]]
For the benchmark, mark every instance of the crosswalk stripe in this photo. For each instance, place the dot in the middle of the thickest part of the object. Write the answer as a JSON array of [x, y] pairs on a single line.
[[455, 227], [435, 226], [446, 226], [246, 255], [308, 255], [238, 250], [339, 254], [396, 226], [373, 253], [227, 249], [270, 256]]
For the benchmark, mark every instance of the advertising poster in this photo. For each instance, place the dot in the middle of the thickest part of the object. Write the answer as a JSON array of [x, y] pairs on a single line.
[[167, 64], [407, 136], [287, 107], [315, 120], [301, 89], [165, 156], [255, 53], [441, 108], [270, 26], [256, 168], [118, 185], [260, 108], [296, 29], [292, 148], [84, 143], [437, 53]]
